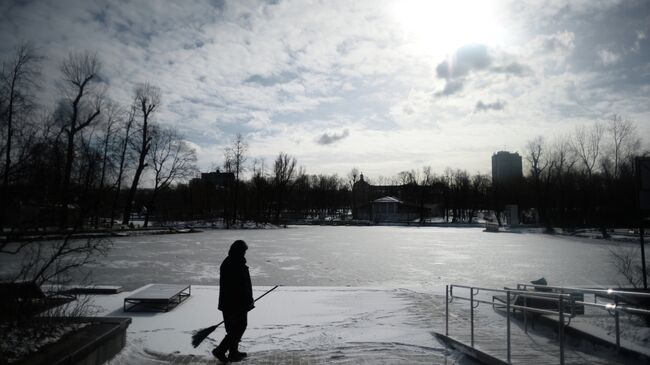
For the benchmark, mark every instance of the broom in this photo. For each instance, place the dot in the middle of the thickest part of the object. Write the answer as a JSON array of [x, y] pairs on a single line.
[[199, 335]]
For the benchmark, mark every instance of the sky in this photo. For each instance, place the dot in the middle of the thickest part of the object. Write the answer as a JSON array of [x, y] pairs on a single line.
[[384, 86]]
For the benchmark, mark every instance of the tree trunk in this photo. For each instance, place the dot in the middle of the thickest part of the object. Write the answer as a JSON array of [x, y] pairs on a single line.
[[134, 187], [67, 171]]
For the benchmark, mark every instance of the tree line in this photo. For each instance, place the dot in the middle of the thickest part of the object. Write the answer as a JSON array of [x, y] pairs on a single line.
[[585, 178], [88, 161], [82, 161]]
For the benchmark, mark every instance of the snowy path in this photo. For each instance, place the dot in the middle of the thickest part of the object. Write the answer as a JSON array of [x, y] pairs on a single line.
[[341, 325], [295, 325]]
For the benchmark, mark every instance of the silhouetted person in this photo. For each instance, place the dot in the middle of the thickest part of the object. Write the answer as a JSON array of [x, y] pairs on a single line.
[[235, 300]]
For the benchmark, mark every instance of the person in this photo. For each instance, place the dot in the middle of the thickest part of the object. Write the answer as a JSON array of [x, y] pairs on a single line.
[[235, 301]]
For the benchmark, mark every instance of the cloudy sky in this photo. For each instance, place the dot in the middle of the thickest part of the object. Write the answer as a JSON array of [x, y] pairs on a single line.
[[384, 86]]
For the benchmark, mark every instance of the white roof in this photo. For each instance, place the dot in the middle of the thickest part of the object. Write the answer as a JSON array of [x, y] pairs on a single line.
[[387, 199]]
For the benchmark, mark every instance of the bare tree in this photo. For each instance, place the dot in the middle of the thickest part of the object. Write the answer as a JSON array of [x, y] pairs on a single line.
[[426, 180], [587, 144], [52, 265], [627, 263], [624, 142], [352, 178], [122, 164], [114, 116], [460, 188], [284, 169], [562, 157], [80, 79], [407, 177], [535, 150], [538, 160], [147, 100], [172, 159], [235, 158], [479, 190], [18, 79]]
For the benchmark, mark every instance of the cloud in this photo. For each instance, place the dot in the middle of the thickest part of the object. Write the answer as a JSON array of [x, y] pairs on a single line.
[[472, 59], [514, 68], [451, 87], [329, 138], [483, 107], [465, 59], [556, 42], [640, 36], [282, 78], [608, 57]]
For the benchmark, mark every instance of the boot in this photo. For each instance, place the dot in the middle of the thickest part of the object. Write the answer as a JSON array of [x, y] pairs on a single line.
[[220, 354], [235, 356]]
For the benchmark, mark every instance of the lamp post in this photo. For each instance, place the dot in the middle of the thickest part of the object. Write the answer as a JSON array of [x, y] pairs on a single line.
[[643, 190]]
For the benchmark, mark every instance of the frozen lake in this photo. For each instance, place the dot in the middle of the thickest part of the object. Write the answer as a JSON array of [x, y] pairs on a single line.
[[361, 256], [397, 275]]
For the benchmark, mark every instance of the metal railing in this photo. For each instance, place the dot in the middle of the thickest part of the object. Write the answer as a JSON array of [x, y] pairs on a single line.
[[614, 309], [565, 300]]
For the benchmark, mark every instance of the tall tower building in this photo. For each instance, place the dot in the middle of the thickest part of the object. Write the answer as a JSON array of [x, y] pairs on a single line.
[[506, 167]]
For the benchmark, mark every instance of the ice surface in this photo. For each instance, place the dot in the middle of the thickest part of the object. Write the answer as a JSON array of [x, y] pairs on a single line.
[[358, 256]]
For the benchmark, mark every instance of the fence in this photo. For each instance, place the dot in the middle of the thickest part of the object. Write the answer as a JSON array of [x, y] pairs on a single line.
[[562, 303]]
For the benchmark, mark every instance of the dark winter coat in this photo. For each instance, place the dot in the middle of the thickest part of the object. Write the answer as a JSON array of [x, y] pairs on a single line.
[[235, 288]]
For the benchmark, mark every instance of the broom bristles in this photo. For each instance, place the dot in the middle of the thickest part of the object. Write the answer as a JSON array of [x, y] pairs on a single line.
[[201, 334]]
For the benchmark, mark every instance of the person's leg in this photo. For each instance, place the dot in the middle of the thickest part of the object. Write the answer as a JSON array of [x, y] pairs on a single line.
[[238, 327], [230, 324]]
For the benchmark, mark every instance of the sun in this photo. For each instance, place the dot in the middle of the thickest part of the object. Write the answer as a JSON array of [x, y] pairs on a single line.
[[440, 27]]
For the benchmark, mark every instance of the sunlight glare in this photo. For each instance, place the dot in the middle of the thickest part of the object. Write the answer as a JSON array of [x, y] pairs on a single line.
[[440, 27]]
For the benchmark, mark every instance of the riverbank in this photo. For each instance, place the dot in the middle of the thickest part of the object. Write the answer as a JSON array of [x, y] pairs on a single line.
[[48, 235]]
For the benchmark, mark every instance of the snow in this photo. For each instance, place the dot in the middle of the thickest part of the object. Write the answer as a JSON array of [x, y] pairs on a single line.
[[310, 322], [338, 324]]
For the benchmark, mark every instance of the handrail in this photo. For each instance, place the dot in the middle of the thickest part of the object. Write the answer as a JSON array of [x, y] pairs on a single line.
[[514, 306], [513, 291], [589, 290], [560, 298], [562, 295], [613, 309]]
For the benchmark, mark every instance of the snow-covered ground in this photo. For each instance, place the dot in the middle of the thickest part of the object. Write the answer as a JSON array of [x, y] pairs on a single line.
[[294, 325], [319, 325]]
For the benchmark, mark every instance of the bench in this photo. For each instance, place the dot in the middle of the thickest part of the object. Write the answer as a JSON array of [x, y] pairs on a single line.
[[157, 297]]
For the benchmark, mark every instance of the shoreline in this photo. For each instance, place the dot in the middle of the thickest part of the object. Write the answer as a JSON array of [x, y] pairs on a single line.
[[616, 235]]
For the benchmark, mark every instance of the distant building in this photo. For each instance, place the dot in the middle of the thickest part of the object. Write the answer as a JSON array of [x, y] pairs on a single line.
[[506, 167], [390, 203], [217, 178]]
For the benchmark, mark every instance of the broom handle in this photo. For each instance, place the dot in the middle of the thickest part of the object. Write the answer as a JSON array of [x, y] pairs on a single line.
[[258, 298], [262, 296]]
